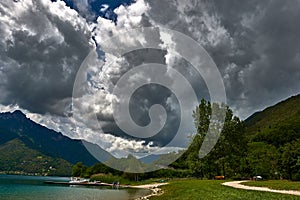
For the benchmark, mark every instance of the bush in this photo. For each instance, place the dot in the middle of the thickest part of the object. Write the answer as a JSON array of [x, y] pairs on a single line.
[[109, 178]]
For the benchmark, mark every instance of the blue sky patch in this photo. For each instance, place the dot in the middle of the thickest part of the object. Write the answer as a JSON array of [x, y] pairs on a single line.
[[96, 8]]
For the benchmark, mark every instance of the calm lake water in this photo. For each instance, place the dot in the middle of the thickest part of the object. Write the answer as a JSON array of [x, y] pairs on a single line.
[[33, 188]]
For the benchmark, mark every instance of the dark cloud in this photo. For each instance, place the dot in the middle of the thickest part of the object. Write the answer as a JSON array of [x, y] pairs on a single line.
[[43, 60], [257, 50], [276, 73], [150, 94], [140, 103]]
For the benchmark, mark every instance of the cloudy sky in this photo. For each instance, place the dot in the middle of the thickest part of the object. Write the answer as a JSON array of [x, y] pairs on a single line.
[[60, 61]]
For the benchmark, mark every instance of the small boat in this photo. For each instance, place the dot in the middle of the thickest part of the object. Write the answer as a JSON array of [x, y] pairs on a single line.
[[77, 180]]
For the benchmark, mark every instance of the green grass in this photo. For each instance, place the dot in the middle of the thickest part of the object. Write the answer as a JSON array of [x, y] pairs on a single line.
[[148, 181], [276, 184], [212, 189]]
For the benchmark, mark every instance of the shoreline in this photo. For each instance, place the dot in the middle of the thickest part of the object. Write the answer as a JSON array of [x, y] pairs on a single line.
[[156, 191], [154, 187]]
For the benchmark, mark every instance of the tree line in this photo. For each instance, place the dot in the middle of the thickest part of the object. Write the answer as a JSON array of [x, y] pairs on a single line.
[[239, 154], [236, 155]]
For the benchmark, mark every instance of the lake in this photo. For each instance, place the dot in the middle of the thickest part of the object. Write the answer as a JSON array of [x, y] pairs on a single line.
[[32, 188]]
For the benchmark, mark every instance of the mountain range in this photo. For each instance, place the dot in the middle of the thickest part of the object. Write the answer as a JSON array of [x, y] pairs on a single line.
[[26, 140]]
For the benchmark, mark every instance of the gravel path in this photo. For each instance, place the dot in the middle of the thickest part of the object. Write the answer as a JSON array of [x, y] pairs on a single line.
[[237, 184]]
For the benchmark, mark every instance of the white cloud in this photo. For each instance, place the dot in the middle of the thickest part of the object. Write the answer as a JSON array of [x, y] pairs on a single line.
[[104, 7]]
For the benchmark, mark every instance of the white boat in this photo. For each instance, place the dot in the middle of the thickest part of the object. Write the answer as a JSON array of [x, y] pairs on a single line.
[[78, 180]]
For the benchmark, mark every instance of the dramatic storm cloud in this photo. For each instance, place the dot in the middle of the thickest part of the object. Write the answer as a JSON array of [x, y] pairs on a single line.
[[42, 46], [255, 45]]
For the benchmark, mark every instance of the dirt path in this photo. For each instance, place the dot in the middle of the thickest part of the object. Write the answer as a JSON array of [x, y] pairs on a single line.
[[237, 184]]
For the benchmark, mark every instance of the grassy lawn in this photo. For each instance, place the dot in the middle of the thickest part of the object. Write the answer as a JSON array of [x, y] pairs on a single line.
[[212, 189], [276, 184]]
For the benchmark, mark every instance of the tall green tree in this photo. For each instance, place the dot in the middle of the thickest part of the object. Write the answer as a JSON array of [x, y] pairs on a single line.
[[231, 146], [201, 117], [226, 154]]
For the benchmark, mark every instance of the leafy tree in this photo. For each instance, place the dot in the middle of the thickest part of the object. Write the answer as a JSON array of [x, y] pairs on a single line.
[[262, 159], [290, 160], [201, 119], [230, 147], [77, 169]]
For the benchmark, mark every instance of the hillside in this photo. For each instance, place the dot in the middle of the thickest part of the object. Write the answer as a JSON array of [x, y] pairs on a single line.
[[15, 156], [278, 124], [45, 141], [277, 113]]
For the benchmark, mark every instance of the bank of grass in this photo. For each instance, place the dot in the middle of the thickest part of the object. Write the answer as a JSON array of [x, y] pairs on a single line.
[[212, 189], [108, 178], [276, 184]]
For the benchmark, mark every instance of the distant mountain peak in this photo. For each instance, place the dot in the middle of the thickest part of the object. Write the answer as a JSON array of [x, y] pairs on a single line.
[[15, 125], [19, 113]]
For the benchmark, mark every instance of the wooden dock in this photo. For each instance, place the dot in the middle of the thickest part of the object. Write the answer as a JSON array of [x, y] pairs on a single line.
[[82, 184]]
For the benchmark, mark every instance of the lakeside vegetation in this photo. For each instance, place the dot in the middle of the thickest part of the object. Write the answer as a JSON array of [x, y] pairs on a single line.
[[242, 151], [212, 189]]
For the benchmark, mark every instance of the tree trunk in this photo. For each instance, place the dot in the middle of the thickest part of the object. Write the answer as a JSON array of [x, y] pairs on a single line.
[[290, 174], [223, 166]]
